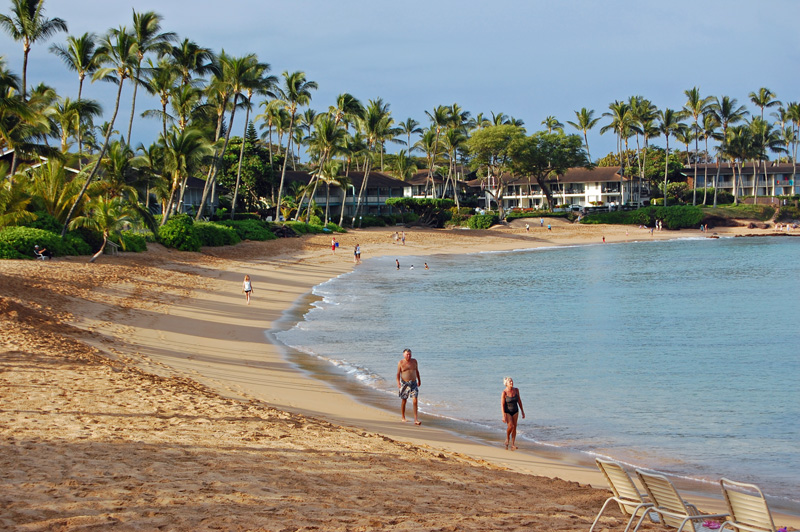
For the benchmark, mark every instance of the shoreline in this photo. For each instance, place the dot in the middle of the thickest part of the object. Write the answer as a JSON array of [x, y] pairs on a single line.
[[197, 327], [551, 461]]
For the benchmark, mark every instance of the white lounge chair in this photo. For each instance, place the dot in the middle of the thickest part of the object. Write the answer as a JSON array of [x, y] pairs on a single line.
[[669, 505], [625, 492], [747, 507]]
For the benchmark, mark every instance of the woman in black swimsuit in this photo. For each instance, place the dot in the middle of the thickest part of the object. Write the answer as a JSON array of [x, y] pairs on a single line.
[[512, 406]]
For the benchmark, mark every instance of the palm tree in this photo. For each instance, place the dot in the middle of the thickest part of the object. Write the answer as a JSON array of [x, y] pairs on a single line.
[[270, 117], [191, 59], [669, 124], [326, 138], [623, 125], [254, 81], [146, 31], [161, 82], [347, 109], [439, 119], [793, 114], [695, 106], [410, 127], [117, 169], [404, 168], [79, 55], [14, 201], [765, 138], [739, 147], [454, 138], [118, 49], [20, 122], [584, 122], [552, 123], [183, 151], [373, 126], [710, 130], [764, 98], [150, 162], [107, 216], [69, 114], [644, 115], [51, 189], [685, 136], [295, 93], [28, 24], [329, 174]]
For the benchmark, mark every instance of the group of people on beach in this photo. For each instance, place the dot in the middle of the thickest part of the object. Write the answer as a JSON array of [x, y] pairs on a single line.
[[356, 250], [409, 381]]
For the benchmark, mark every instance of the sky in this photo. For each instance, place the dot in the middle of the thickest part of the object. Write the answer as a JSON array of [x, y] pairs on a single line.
[[525, 58]]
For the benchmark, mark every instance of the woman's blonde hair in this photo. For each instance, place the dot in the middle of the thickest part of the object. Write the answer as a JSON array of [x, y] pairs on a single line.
[[506, 380]]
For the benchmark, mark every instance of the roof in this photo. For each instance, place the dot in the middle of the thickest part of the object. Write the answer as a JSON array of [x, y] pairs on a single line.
[[573, 175], [376, 179], [727, 168]]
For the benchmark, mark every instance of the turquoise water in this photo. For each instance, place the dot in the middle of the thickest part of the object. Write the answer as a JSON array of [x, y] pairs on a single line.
[[680, 356]]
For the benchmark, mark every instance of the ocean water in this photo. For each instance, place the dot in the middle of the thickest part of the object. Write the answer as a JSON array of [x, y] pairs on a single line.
[[680, 356]]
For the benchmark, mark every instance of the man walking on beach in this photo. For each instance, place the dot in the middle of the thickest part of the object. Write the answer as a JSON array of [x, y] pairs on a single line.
[[408, 381]]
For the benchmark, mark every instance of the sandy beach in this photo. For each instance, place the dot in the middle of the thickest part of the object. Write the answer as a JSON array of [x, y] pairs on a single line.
[[141, 393]]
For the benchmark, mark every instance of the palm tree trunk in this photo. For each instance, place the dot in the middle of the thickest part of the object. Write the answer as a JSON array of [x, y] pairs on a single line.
[[133, 102], [283, 171], [361, 192], [694, 183], [93, 173], [212, 172], [241, 156], [716, 182], [327, 202], [102, 248], [79, 134], [666, 171], [341, 211]]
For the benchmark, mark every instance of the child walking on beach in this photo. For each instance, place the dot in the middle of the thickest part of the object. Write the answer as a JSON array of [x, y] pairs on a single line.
[[247, 288]]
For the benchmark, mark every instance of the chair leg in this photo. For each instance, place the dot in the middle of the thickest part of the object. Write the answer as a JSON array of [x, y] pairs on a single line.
[[603, 509], [641, 519], [646, 506]]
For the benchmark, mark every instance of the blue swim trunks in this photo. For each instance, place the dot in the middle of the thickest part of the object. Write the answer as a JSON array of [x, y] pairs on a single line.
[[408, 389]]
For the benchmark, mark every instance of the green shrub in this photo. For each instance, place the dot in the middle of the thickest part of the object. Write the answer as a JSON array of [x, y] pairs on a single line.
[[130, 241], [18, 242], [334, 227], [179, 233], [788, 212], [250, 229], [45, 221], [514, 215], [93, 239], [675, 217], [78, 244], [7, 251], [482, 221], [214, 234]]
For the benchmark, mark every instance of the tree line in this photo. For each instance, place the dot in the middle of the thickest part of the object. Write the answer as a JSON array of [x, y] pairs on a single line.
[[92, 168]]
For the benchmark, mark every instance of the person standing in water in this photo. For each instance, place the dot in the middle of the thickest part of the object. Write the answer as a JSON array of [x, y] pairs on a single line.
[[408, 382], [512, 406], [247, 288]]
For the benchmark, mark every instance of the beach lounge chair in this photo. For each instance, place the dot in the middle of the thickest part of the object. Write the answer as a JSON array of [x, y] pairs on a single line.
[[747, 507], [625, 492], [669, 505]]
